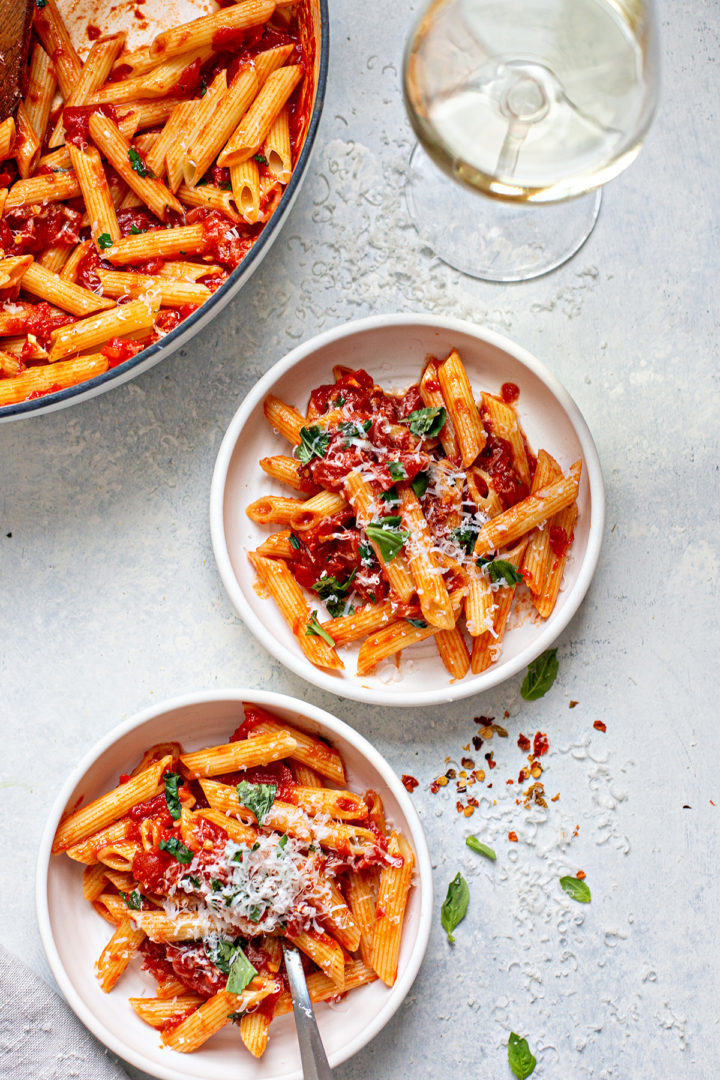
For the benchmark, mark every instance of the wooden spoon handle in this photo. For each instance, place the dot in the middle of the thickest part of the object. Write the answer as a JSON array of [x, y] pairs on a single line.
[[15, 23]]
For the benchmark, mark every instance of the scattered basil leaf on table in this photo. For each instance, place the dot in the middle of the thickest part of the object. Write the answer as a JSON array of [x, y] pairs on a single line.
[[541, 674], [172, 782], [482, 849], [576, 889], [520, 1060], [313, 443], [257, 797], [455, 905], [314, 629], [429, 422], [177, 849], [387, 535]]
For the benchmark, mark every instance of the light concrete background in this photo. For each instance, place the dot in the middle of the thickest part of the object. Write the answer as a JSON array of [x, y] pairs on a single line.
[[111, 600]]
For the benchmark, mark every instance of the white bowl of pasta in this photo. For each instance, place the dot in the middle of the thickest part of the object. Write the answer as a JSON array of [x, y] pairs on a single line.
[[203, 857], [412, 536], [143, 180]]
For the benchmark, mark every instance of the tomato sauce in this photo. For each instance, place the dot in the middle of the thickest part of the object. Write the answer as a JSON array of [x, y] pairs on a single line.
[[76, 121]]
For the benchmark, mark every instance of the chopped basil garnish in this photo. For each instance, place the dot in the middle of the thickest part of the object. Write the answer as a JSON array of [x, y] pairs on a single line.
[[353, 429], [501, 570], [104, 241], [215, 884], [390, 496], [133, 900], [576, 889], [314, 629], [241, 973], [334, 593], [338, 402], [257, 797], [135, 230], [397, 471], [282, 842], [420, 484], [138, 165], [520, 1060], [172, 782], [541, 674], [482, 849], [429, 422], [192, 879], [466, 535], [222, 954], [260, 159], [177, 849], [41, 3], [255, 914], [365, 552], [420, 624], [294, 542], [313, 443], [455, 905], [387, 535]]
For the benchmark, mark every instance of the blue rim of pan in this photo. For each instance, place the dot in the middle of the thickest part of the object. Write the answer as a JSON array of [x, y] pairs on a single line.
[[182, 333]]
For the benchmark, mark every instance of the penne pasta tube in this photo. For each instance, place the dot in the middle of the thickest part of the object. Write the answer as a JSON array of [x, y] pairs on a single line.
[[562, 523], [158, 926], [86, 851], [214, 1014], [48, 379], [363, 621], [311, 513], [7, 137], [158, 243], [424, 567], [278, 546], [276, 150], [288, 596], [168, 291], [51, 30], [13, 269], [306, 776], [242, 754], [525, 515], [254, 1030], [274, 510], [433, 399], [457, 395], [536, 556], [162, 80], [43, 283], [236, 830], [117, 954], [128, 164], [325, 952], [210, 29], [177, 122], [9, 364], [40, 91], [255, 125], [53, 187], [157, 1011], [230, 109], [188, 271], [453, 652], [503, 422], [322, 988], [95, 329], [308, 751], [93, 882], [281, 817], [487, 646], [70, 269], [95, 71], [287, 471], [284, 418], [245, 180], [361, 891], [393, 890], [108, 808], [339, 920], [396, 637], [54, 258], [214, 198], [362, 498]]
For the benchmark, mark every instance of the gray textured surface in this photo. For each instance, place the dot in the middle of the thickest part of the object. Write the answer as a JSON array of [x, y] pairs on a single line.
[[111, 599]]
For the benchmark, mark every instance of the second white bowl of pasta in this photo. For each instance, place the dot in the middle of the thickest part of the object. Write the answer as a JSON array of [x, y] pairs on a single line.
[[201, 834], [407, 509]]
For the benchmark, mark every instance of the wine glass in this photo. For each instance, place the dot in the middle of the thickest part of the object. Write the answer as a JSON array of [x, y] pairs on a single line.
[[535, 103]]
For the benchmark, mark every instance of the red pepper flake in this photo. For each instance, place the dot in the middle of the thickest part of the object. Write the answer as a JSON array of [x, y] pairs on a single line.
[[572, 704], [523, 776], [409, 782], [509, 781], [512, 837], [599, 726], [467, 763], [576, 830], [434, 787], [581, 875], [459, 806], [540, 744], [524, 743], [473, 802], [555, 797]]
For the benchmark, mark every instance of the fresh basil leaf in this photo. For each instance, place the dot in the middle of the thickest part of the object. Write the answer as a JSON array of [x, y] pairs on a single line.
[[388, 537], [216, 884], [314, 629], [482, 849], [333, 593], [241, 973], [390, 496], [520, 1060], [365, 552], [354, 429], [455, 905], [420, 624], [238, 856], [294, 541], [313, 443], [397, 471], [465, 536], [236, 1017], [255, 914], [282, 843], [104, 241], [420, 484], [135, 230], [132, 900], [261, 160], [138, 165], [172, 782], [193, 880], [576, 889], [502, 570], [177, 849], [428, 422], [541, 674], [222, 954], [257, 797]]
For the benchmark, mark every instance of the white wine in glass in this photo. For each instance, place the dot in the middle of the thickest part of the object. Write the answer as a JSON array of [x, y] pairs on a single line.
[[535, 103]]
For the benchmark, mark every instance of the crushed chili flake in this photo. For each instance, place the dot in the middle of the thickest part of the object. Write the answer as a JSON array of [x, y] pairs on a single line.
[[450, 774], [477, 742], [599, 725], [541, 744], [409, 782], [509, 781], [467, 763], [512, 837], [524, 743], [523, 775], [473, 802], [572, 704], [469, 811], [459, 806], [500, 731], [535, 794], [434, 788], [441, 781], [581, 875], [555, 797], [536, 771], [480, 774], [576, 830]]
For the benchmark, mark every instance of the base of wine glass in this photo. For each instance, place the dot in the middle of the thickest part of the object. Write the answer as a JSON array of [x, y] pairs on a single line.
[[489, 239]]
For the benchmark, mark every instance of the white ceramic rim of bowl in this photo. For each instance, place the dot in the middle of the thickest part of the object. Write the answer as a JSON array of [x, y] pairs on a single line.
[[471, 684], [270, 700]]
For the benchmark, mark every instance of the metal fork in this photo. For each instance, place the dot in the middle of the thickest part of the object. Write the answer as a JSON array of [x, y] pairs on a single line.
[[312, 1052]]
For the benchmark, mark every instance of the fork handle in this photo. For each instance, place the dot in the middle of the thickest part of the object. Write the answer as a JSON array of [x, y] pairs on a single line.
[[312, 1052]]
